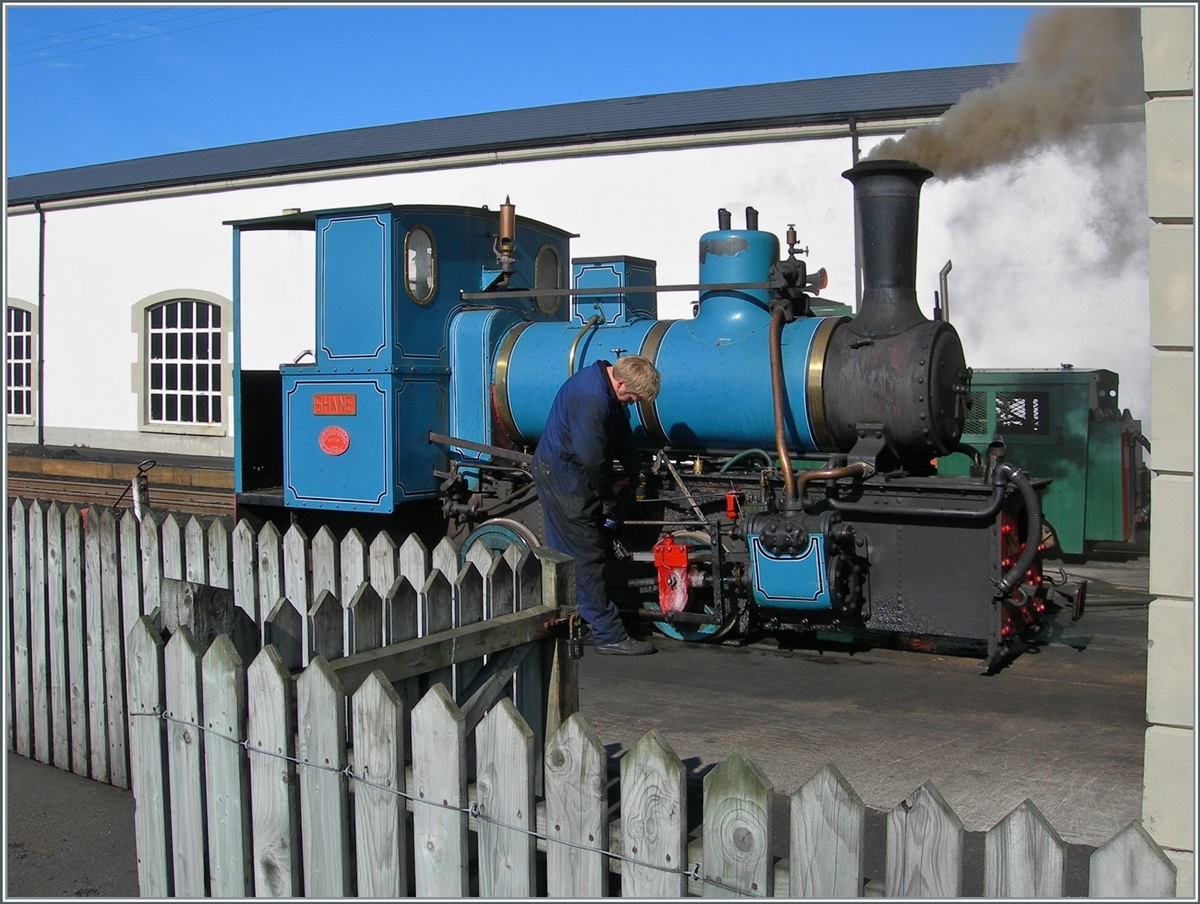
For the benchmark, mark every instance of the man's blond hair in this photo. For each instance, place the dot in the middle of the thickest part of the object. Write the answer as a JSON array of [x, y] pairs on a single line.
[[639, 375]]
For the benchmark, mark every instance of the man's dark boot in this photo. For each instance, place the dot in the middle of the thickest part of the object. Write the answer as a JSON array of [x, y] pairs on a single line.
[[626, 647]]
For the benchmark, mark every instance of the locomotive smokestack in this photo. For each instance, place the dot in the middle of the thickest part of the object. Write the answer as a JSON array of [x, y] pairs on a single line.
[[724, 220], [886, 201], [751, 219]]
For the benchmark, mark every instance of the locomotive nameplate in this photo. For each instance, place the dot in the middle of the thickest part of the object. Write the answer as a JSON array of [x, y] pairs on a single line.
[[333, 440], [335, 403]]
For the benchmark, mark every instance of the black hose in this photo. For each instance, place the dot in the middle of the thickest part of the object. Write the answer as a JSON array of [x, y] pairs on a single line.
[[1006, 472]]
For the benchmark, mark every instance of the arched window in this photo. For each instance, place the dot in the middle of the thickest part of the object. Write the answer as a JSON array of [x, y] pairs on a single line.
[[20, 361], [185, 362], [184, 368]]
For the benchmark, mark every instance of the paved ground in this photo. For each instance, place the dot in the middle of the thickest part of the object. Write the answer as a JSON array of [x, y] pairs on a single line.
[[1062, 727], [67, 836]]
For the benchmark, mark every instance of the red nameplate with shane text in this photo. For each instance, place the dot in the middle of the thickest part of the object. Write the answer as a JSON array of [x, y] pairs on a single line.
[[328, 403]]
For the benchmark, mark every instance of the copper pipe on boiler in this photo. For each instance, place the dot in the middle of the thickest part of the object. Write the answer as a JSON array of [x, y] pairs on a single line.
[[860, 468], [781, 449]]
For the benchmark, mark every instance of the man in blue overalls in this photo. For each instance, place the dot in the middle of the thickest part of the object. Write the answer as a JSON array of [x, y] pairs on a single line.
[[587, 428]]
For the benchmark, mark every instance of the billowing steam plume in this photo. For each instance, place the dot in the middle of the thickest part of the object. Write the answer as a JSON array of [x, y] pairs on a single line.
[[1073, 65]]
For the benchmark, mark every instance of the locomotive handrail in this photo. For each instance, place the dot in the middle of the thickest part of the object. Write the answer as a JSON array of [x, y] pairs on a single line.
[[511, 454], [610, 290]]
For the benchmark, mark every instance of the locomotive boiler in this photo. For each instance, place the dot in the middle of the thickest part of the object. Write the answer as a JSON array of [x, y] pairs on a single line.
[[789, 476]]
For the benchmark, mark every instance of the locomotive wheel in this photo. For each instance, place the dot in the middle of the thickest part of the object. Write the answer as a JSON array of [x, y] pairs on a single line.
[[499, 534], [709, 633]]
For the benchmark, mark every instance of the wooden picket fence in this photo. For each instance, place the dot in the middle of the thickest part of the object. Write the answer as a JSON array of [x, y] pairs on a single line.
[[80, 580], [246, 789], [420, 738]]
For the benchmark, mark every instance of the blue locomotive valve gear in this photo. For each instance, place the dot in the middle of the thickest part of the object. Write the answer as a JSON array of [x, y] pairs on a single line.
[[587, 428]]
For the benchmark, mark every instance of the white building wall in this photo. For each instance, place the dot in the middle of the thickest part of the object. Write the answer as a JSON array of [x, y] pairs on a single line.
[[21, 236], [1169, 799], [1034, 280]]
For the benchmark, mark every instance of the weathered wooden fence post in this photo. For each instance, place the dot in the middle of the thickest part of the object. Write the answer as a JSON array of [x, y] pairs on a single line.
[[151, 544], [195, 552], [244, 579], [171, 537], [283, 629], [145, 668], [130, 543], [274, 801], [114, 650], [19, 609], [383, 559], [438, 596], [653, 820], [327, 626], [94, 643], [439, 748], [738, 803], [57, 620], [324, 805], [469, 605], [505, 798], [825, 852], [1024, 857], [270, 571], [220, 556], [576, 812], [296, 585], [365, 612], [558, 680], [226, 771], [381, 826], [77, 671], [1131, 865], [924, 847], [38, 664], [185, 763], [353, 568]]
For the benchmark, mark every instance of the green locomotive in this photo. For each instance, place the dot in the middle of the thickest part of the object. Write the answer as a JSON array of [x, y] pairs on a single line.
[[1067, 425]]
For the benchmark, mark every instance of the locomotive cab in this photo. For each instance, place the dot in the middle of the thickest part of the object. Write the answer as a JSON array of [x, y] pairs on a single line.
[[348, 430]]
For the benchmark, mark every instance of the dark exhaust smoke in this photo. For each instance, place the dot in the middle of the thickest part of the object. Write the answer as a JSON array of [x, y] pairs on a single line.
[[1075, 66]]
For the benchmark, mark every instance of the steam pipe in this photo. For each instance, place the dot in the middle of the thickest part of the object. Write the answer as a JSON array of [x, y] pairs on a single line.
[[861, 468], [781, 449], [1006, 472], [945, 287]]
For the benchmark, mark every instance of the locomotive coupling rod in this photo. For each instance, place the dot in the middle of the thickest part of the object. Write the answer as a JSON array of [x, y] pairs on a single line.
[[616, 290], [683, 618], [666, 523], [511, 454]]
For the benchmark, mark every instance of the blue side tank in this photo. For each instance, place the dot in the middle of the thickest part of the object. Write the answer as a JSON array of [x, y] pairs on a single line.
[[716, 379]]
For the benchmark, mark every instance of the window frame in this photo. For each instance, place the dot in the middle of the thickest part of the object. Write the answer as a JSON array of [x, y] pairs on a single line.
[[141, 368], [548, 305], [433, 252], [35, 382]]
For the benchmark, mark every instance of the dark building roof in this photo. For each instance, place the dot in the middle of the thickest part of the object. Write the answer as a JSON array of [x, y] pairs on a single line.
[[888, 95]]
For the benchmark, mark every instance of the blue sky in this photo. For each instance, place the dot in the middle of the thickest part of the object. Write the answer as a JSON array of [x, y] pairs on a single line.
[[91, 84]]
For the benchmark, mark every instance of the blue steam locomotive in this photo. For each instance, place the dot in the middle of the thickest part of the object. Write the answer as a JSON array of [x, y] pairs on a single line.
[[790, 478]]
